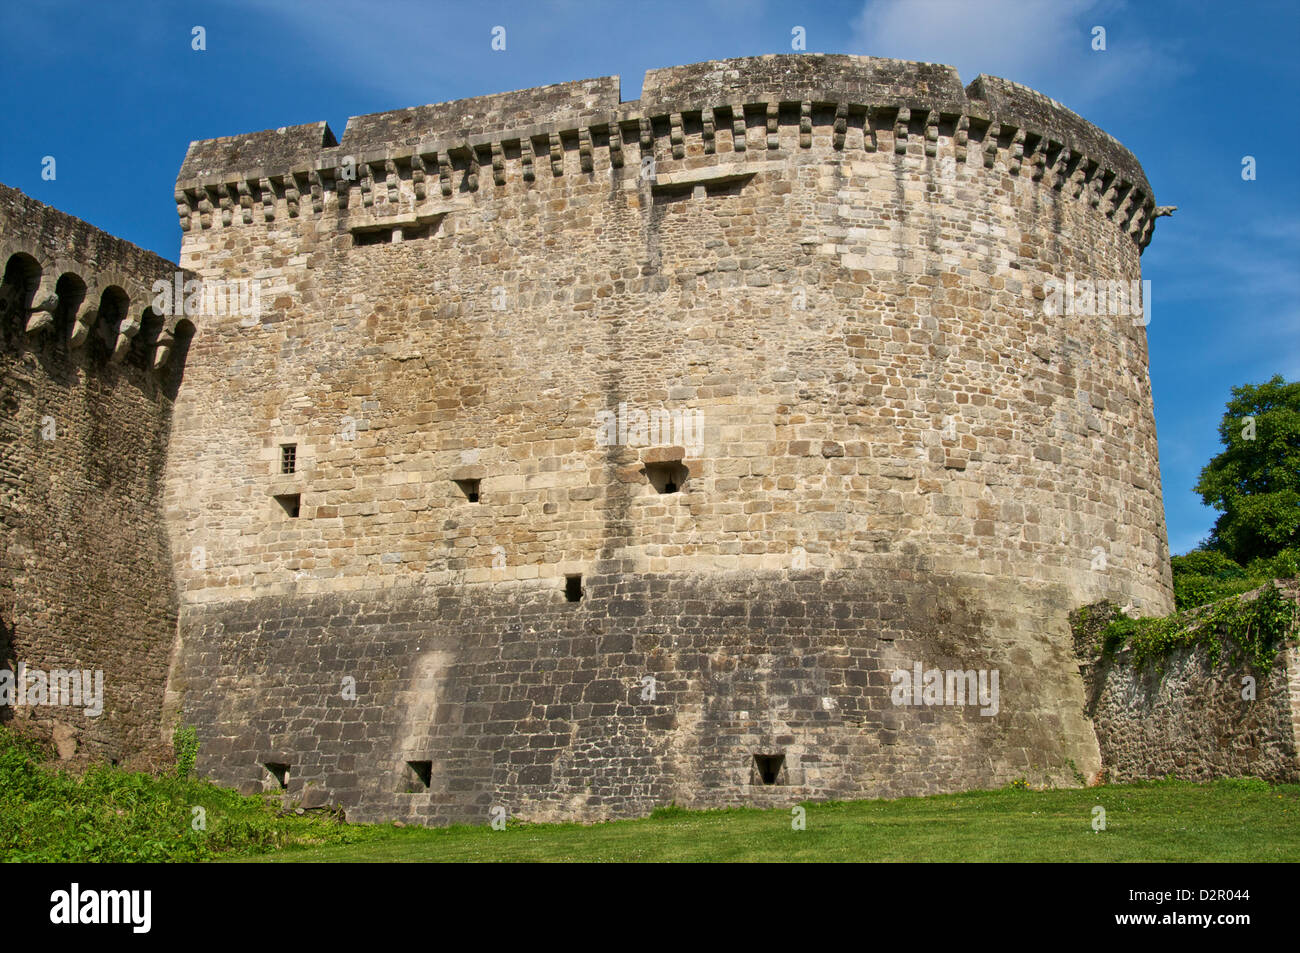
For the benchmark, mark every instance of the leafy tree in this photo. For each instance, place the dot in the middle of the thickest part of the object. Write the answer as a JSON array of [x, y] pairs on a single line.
[[1255, 481], [1207, 562], [1204, 575]]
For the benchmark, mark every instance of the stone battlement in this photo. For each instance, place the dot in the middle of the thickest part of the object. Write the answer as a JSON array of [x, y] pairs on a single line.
[[88, 375], [67, 278], [686, 116]]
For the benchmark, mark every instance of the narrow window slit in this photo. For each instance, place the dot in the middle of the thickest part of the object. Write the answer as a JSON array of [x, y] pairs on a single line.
[[573, 588], [288, 458]]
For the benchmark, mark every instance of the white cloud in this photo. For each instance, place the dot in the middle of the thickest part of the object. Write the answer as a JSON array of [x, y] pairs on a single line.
[[1045, 44], [411, 52]]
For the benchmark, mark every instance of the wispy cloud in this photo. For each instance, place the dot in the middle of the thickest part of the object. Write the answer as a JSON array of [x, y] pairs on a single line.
[[1239, 276], [1046, 44], [410, 45]]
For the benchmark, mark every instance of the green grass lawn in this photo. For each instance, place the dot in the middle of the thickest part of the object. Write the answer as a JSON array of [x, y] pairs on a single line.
[[110, 814], [1151, 821]]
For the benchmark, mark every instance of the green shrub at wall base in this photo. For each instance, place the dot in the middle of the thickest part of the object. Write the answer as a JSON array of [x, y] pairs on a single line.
[[185, 742], [112, 815]]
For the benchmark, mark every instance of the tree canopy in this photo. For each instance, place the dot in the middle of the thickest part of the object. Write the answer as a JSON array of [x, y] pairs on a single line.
[[1255, 481]]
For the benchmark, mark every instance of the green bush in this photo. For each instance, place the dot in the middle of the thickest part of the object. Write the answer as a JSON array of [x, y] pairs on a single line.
[[113, 815], [1285, 565], [1246, 784], [1204, 576], [1193, 591], [1250, 630], [1206, 562]]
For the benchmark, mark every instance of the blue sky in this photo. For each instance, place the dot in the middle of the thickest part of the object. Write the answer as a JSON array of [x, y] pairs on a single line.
[[115, 93]]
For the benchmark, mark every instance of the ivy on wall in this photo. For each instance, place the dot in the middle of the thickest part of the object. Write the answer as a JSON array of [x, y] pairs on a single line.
[[1251, 627]]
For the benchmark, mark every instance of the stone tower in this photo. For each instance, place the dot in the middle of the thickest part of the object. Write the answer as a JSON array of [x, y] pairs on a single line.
[[580, 456]]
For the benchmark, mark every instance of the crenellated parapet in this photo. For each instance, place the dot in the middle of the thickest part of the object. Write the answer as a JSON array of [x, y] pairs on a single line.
[[708, 114], [63, 277], [91, 364]]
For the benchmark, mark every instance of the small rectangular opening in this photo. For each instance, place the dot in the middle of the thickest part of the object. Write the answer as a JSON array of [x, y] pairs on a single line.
[[667, 477], [288, 457], [278, 771], [573, 588], [290, 503], [421, 775], [373, 237], [470, 488], [768, 767], [711, 184]]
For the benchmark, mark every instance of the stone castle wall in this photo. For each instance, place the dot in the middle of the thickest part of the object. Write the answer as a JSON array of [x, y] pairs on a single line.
[[1197, 720], [1191, 720], [837, 262], [88, 375]]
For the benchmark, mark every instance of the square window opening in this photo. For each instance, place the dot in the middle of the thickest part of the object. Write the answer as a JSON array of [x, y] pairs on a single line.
[[769, 767], [279, 771], [668, 477], [419, 776], [291, 503], [470, 488]]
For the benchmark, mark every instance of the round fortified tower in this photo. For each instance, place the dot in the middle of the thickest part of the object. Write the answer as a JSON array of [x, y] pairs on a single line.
[[574, 456]]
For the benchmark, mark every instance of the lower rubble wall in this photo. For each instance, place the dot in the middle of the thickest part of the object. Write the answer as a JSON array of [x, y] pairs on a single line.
[[1194, 720]]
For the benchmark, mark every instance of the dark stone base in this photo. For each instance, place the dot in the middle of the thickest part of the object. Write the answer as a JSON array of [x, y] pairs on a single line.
[[521, 700]]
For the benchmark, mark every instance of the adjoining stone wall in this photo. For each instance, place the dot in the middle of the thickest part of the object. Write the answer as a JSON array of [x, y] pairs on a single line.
[[838, 263], [87, 380], [1191, 721], [1188, 718]]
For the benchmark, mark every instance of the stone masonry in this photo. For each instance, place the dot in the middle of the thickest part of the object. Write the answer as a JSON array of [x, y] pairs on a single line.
[[1187, 717]]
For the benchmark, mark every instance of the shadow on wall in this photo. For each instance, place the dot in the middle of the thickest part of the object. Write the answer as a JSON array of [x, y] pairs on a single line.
[[174, 371]]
